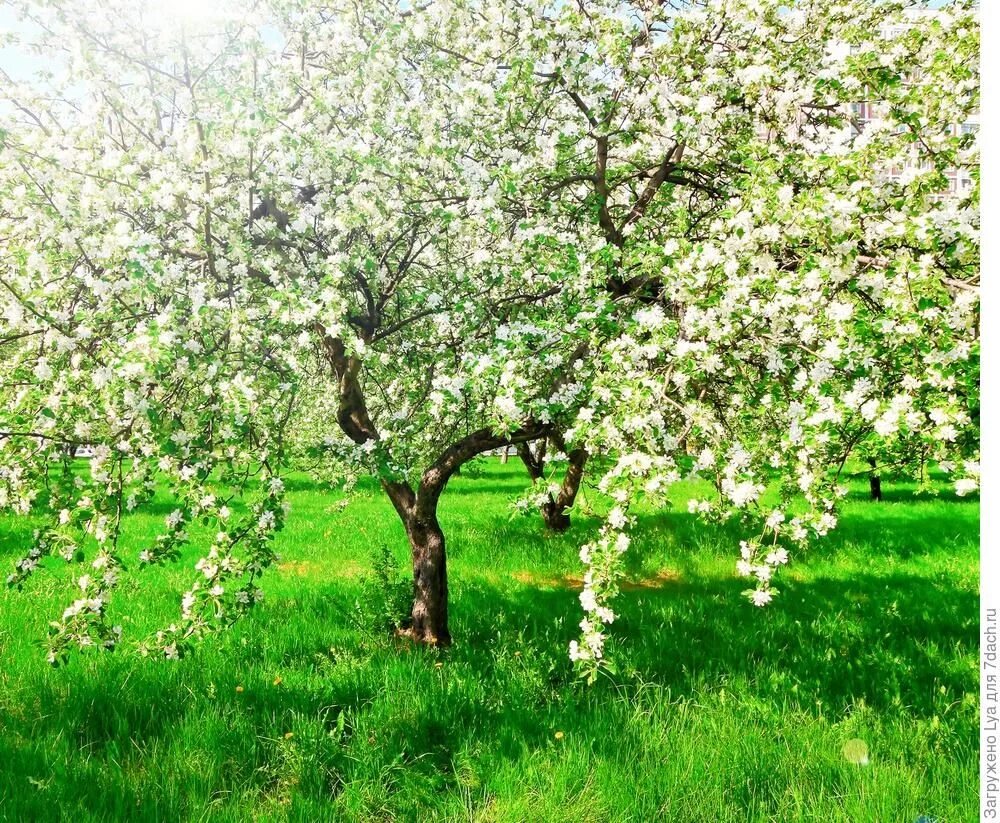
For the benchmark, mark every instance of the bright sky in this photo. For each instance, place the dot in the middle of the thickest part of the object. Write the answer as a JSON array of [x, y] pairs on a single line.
[[14, 62], [20, 65]]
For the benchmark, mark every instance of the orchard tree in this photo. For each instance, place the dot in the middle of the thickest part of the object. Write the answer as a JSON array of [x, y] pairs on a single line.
[[451, 342], [640, 230], [773, 287], [554, 499], [136, 321], [309, 194], [761, 295]]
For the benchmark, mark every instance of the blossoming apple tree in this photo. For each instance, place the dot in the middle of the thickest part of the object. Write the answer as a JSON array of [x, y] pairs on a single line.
[[307, 202], [398, 237]]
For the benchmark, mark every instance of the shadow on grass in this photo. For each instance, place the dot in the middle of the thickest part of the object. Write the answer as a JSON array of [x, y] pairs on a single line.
[[908, 494], [368, 707], [890, 530], [886, 640]]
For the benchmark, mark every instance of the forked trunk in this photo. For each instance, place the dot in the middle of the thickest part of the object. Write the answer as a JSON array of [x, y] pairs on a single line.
[[417, 509], [555, 509], [429, 616]]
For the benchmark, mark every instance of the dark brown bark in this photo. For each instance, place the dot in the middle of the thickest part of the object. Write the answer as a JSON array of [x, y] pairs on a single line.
[[417, 509], [533, 459], [555, 516], [874, 482], [429, 615], [352, 412], [875, 487], [555, 510], [428, 621]]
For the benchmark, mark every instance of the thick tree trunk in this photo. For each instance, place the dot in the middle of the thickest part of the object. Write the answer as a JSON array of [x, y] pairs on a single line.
[[428, 621], [417, 508], [554, 515], [418, 511], [874, 482], [429, 615]]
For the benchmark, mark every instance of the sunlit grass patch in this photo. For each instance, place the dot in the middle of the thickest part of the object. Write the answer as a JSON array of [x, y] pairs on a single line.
[[718, 711]]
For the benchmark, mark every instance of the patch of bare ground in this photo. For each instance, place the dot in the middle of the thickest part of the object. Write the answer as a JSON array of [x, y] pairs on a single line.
[[308, 568], [661, 579]]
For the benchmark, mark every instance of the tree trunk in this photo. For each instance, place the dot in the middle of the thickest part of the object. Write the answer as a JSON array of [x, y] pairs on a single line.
[[554, 510], [417, 509], [874, 482], [534, 460], [554, 515], [429, 616]]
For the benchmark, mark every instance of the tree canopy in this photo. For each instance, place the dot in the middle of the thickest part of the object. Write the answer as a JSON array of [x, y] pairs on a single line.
[[393, 237]]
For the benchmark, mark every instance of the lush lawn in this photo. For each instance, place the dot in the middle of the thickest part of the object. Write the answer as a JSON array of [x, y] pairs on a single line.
[[719, 712]]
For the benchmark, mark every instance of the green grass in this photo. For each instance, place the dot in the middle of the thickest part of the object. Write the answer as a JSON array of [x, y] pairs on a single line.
[[719, 712]]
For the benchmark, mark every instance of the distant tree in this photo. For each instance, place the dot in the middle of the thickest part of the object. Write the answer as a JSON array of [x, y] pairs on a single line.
[[554, 499]]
